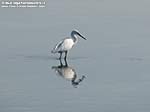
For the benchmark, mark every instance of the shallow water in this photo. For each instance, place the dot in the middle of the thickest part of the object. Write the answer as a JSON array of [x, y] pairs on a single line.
[[114, 59]]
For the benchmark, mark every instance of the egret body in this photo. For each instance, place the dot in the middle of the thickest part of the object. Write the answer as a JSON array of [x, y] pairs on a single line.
[[67, 43]]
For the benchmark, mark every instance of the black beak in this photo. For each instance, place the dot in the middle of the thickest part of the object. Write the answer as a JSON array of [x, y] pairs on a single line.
[[82, 36]]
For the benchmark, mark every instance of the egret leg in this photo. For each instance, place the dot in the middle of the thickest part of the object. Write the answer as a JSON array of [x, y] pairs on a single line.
[[66, 52], [66, 64], [60, 55]]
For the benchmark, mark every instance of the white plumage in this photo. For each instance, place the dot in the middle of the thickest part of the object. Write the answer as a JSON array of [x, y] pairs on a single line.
[[67, 43]]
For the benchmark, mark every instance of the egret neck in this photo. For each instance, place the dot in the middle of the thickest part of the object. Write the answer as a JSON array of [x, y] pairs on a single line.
[[74, 37]]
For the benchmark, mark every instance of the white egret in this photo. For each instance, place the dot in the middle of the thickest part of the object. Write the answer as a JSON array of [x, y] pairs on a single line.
[[67, 43]]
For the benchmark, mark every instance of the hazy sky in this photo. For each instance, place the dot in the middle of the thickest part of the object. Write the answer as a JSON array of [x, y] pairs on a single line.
[[104, 7]]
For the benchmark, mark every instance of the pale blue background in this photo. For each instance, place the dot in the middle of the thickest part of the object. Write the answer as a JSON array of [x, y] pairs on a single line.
[[115, 58]]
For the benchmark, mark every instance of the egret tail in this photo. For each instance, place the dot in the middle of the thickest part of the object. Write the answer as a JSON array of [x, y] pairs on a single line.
[[53, 51]]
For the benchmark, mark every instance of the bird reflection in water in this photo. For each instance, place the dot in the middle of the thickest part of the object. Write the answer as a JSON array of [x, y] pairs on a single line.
[[67, 72]]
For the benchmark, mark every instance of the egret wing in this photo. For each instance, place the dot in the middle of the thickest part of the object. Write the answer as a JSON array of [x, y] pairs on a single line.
[[57, 47]]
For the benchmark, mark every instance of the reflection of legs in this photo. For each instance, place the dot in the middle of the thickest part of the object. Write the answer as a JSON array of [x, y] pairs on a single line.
[[66, 52]]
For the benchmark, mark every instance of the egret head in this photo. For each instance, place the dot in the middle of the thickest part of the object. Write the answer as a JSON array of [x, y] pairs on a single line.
[[77, 33]]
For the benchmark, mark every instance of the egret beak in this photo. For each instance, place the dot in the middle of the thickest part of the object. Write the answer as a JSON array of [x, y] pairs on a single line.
[[82, 36]]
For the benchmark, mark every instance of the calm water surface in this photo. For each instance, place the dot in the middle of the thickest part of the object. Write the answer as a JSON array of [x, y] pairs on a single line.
[[114, 60]]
